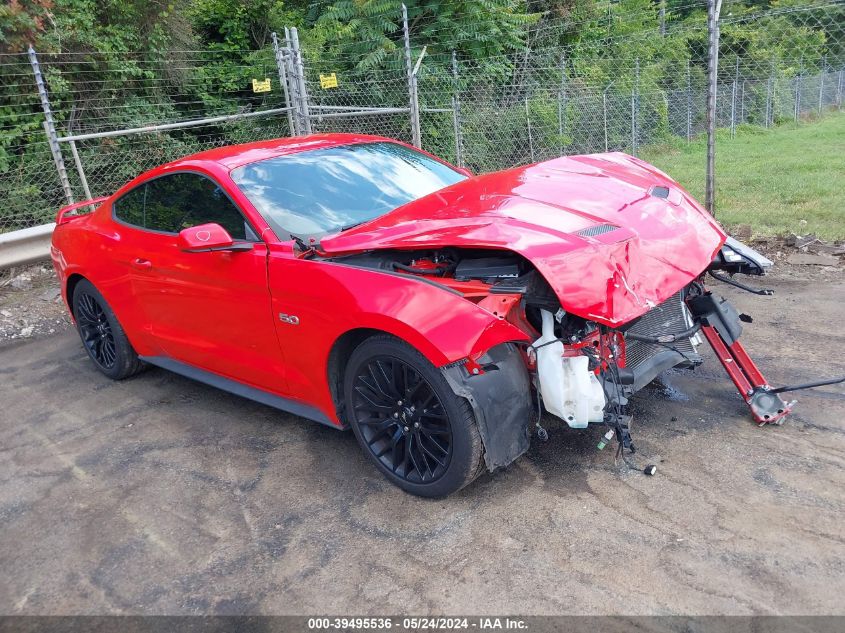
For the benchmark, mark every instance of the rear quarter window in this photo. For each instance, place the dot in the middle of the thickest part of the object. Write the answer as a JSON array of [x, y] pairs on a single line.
[[130, 207]]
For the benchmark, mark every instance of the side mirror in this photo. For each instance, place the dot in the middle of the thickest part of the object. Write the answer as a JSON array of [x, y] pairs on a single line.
[[206, 238], [466, 172]]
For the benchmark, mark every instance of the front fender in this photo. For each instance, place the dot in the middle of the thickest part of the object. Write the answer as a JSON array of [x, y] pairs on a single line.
[[331, 299]]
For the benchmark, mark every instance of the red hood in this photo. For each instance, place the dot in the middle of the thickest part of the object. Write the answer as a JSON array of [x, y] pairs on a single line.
[[660, 245]]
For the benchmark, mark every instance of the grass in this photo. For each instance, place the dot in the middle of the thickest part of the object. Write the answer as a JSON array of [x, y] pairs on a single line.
[[787, 179]]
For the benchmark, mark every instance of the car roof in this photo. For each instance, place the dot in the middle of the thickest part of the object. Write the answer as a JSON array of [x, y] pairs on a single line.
[[232, 156]]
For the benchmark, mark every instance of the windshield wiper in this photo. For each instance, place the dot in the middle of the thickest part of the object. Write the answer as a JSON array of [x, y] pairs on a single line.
[[346, 227], [305, 248]]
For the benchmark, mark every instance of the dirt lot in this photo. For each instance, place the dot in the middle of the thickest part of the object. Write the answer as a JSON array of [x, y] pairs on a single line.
[[161, 495]]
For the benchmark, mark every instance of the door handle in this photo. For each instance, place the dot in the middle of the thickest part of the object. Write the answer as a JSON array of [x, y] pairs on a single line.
[[143, 264]]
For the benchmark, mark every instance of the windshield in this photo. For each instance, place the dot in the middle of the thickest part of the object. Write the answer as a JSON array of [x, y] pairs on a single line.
[[324, 190]]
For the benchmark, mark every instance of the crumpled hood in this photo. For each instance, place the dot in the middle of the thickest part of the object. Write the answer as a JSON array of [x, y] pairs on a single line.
[[611, 234]]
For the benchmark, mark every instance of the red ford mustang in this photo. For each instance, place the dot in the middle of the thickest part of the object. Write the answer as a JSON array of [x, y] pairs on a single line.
[[363, 283]]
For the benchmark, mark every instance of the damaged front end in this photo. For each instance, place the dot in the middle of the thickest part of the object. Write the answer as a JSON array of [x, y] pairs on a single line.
[[581, 371], [627, 358], [609, 291]]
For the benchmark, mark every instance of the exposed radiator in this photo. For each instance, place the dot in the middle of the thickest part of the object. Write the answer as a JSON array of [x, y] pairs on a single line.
[[670, 316]]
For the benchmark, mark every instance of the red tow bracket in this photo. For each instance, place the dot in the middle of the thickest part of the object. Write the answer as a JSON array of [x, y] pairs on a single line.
[[766, 406]]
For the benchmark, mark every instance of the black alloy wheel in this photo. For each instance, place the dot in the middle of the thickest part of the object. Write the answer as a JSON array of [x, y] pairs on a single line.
[[410, 423], [402, 420], [101, 333], [96, 331]]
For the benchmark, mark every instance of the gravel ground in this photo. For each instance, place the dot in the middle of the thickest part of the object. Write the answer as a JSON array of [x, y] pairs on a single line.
[[30, 303], [161, 495]]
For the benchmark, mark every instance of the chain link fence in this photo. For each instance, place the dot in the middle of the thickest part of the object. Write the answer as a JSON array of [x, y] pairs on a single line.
[[116, 115]]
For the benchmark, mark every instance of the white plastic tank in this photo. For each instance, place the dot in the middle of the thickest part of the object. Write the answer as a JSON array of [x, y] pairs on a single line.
[[569, 389]]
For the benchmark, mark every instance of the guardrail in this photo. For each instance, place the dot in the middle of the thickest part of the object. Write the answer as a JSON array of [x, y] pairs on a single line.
[[25, 246]]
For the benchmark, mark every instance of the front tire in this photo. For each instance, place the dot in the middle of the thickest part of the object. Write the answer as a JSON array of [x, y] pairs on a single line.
[[102, 335], [411, 425]]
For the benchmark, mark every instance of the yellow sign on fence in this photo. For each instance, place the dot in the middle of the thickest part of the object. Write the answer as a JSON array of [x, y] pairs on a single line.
[[328, 81], [262, 85]]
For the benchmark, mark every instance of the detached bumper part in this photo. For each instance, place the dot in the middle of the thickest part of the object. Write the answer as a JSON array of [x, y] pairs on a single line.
[[721, 327], [500, 397], [736, 257]]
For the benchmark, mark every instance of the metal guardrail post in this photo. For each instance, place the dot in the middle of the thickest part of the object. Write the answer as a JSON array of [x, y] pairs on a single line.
[[714, 7], [283, 80], [412, 83], [50, 126]]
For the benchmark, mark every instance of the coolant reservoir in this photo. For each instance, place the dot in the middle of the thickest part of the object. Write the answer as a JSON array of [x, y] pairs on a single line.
[[569, 389]]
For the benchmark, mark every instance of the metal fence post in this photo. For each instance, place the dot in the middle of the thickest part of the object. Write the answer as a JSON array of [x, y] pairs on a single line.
[[839, 89], [769, 99], [50, 126], [733, 98], [689, 102], [456, 112], [293, 83], [300, 76], [635, 113], [412, 83], [713, 9], [821, 84], [80, 170], [798, 90], [604, 110], [528, 125], [561, 102], [283, 80]]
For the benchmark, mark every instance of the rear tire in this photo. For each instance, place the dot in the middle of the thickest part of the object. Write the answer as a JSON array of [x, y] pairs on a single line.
[[411, 425], [102, 335]]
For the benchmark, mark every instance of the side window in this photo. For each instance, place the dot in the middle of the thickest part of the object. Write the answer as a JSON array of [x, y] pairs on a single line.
[[130, 207], [180, 201]]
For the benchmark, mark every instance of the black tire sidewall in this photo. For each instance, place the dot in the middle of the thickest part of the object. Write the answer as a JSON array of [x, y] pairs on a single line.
[[126, 360], [464, 458]]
